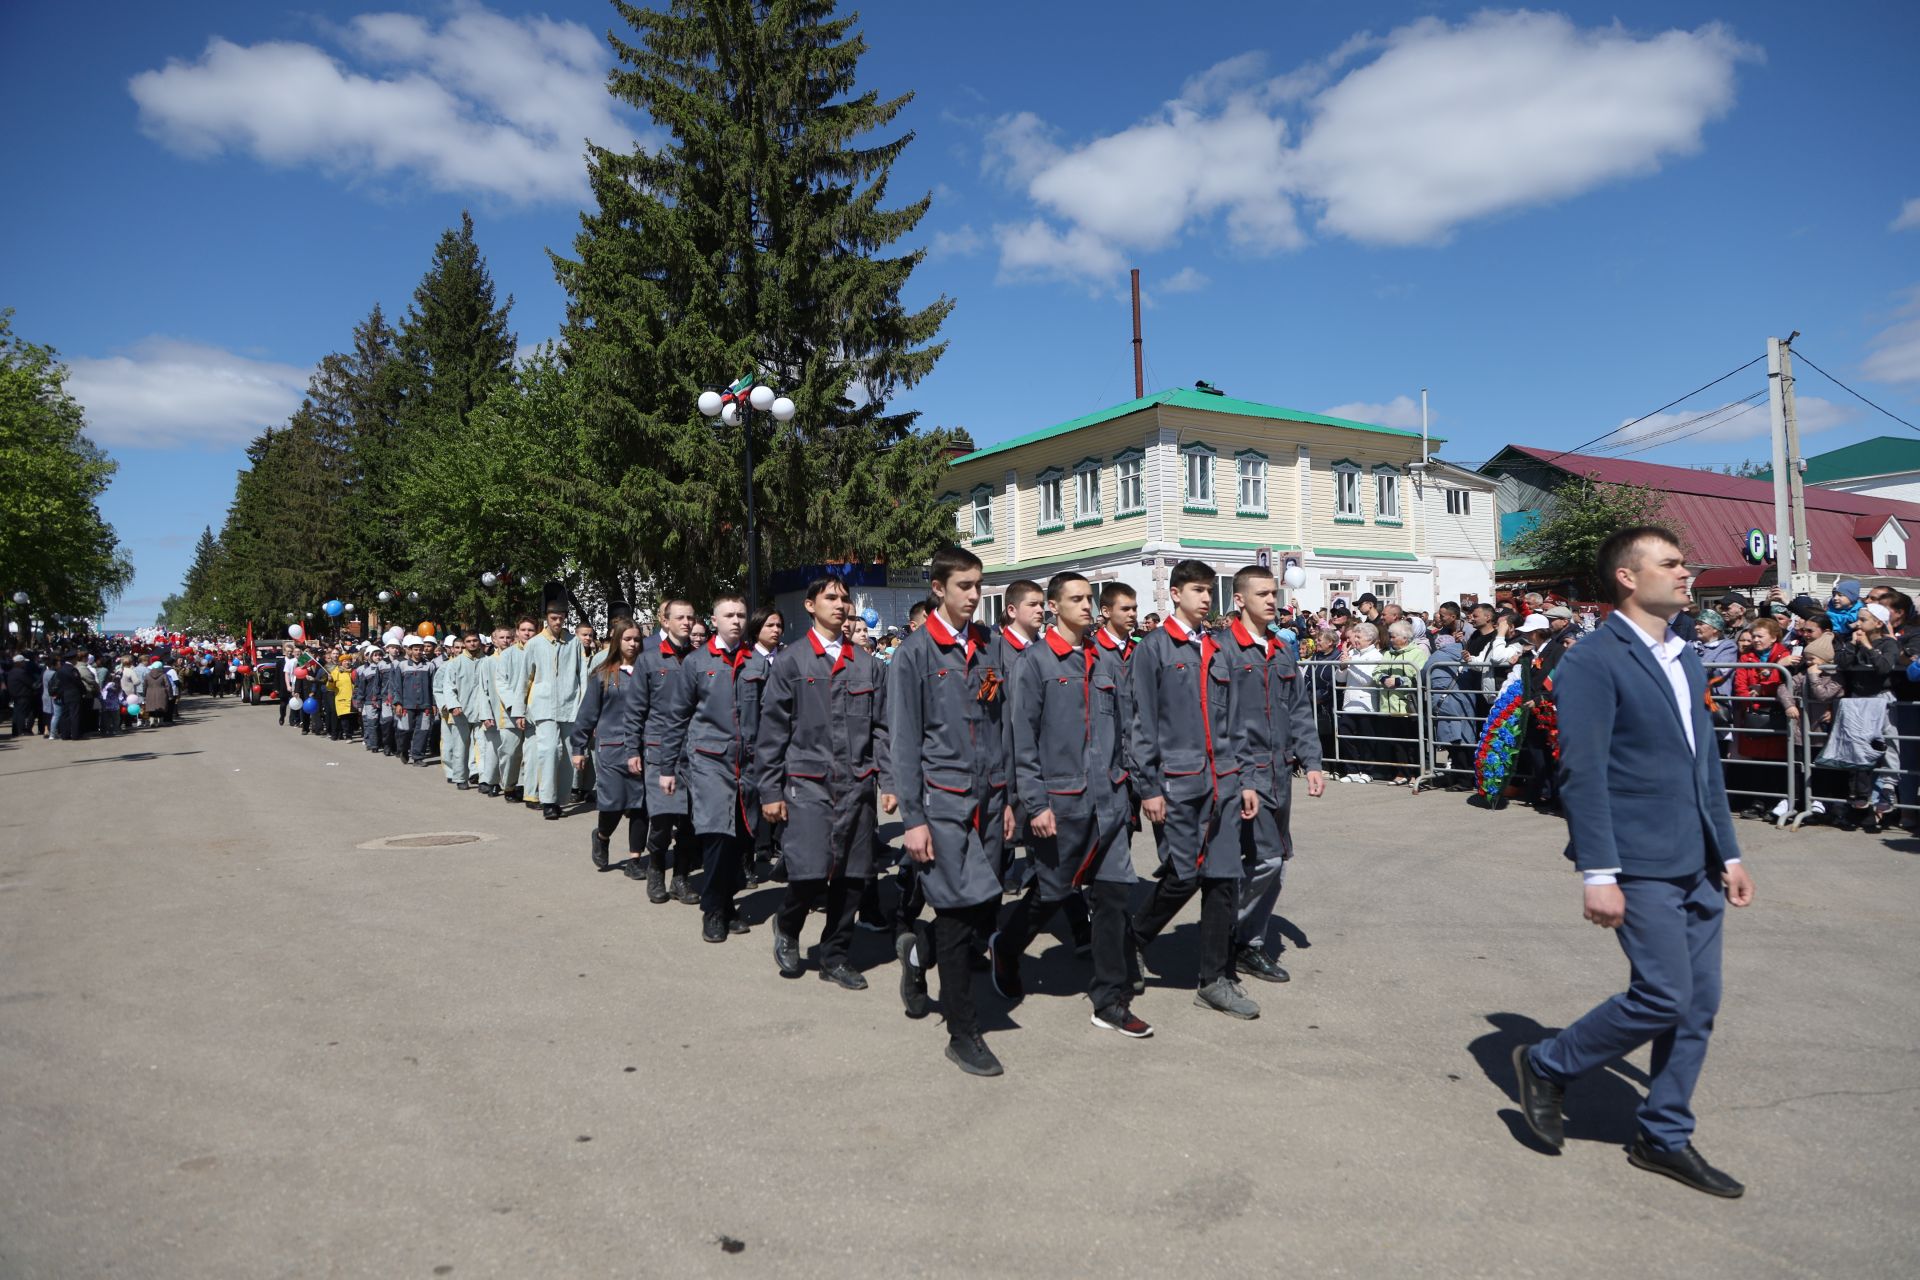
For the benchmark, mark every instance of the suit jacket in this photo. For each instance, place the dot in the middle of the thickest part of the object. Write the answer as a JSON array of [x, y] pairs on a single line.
[[1635, 795]]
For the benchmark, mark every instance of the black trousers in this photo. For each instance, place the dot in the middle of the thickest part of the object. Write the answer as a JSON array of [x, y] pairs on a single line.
[[1030, 914], [22, 719], [724, 874], [958, 935], [675, 829], [1219, 901], [636, 827], [841, 897]]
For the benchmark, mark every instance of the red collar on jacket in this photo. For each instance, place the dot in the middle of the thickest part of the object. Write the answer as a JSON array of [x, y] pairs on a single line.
[[1179, 632], [1105, 640], [734, 659], [820, 649], [944, 637], [1247, 639], [1012, 637]]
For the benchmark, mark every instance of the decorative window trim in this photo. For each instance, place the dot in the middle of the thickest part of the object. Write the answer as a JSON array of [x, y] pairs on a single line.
[[1266, 482], [1052, 475], [1200, 449], [1347, 466], [1082, 520], [1121, 459], [973, 503], [1397, 519]]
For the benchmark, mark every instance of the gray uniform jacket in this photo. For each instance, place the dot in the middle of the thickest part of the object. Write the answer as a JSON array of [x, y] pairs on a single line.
[[713, 709], [1270, 716], [1182, 750], [947, 737], [659, 663], [1070, 756], [603, 720], [822, 747], [510, 684], [416, 685], [390, 683]]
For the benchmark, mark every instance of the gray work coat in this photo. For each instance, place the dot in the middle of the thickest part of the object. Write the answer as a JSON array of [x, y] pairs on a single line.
[[1070, 757], [602, 721], [659, 663], [713, 708]]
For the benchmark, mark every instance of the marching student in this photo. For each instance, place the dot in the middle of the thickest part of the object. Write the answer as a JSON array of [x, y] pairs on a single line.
[[820, 753], [1188, 781], [488, 717], [510, 696], [713, 708], [414, 710], [1119, 608], [553, 695], [947, 740], [764, 628], [668, 823], [366, 694], [1024, 613], [461, 695], [390, 696], [1271, 722], [1070, 716], [601, 722], [590, 655]]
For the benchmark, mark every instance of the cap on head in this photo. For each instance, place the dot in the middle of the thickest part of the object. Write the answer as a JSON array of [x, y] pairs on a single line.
[[1535, 622]]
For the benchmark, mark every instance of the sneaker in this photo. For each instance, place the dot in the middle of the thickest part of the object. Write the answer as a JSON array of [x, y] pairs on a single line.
[[843, 974], [1223, 995], [1125, 1021], [786, 954], [599, 849], [971, 1055], [1255, 963], [908, 948], [1006, 970]]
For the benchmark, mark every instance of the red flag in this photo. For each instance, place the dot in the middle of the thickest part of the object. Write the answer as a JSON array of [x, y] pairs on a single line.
[[253, 659]]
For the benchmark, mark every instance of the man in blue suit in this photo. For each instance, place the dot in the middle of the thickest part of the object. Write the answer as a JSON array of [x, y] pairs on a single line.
[[1652, 837]]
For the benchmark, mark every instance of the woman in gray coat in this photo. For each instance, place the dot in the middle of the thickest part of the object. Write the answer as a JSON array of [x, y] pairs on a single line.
[[603, 713]]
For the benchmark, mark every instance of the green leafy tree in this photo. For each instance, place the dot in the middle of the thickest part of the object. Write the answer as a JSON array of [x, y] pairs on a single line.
[[754, 241], [1581, 515], [54, 543]]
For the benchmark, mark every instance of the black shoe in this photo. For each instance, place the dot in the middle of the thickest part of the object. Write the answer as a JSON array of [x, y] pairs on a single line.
[[633, 868], [913, 977], [1006, 970], [1870, 821], [844, 974], [971, 1055], [656, 883], [464, 786], [786, 954], [473, 779], [683, 892], [1125, 1021], [1685, 1165], [736, 925], [1253, 962], [714, 929], [453, 782], [551, 812], [599, 849], [1540, 1100]]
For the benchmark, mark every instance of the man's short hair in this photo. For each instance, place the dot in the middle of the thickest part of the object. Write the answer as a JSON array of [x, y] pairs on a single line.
[[1246, 577], [1114, 592], [726, 597], [919, 609], [1899, 600], [1058, 583], [820, 584], [1021, 590], [1187, 572], [1617, 553], [666, 610], [948, 561]]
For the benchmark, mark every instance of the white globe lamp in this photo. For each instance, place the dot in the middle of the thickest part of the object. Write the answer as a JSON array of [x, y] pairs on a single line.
[[782, 409], [761, 398], [709, 403], [731, 415]]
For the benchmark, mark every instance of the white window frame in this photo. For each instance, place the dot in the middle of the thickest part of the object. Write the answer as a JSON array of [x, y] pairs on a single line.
[[1250, 467], [1200, 462], [1051, 491], [992, 601], [1386, 494], [1459, 502], [980, 502], [1129, 472], [1385, 591], [1337, 587], [1346, 493], [1086, 493]]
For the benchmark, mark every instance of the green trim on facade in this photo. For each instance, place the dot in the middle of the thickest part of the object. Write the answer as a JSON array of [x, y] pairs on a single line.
[[1349, 519], [1365, 555], [1250, 515], [1220, 544], [1211, 509], [1134, 514], [1067, 557], [1391, 524], [1086, 522], [1200, 401]]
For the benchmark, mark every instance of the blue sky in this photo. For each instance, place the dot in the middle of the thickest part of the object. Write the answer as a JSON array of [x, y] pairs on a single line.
[[1555, 219]]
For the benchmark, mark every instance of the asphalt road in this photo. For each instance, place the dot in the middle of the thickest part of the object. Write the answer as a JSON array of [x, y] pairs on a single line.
[[233, 1042]]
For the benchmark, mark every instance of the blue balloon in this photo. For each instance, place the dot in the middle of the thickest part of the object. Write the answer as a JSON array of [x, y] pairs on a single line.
[[870, 616], [333, 608], [310, 706]]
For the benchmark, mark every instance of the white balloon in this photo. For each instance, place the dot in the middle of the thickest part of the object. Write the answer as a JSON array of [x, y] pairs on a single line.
[[386, 597], [489, 579], [348, 608], [1295, 577], [413, 595], [296, 632], [709, 403], [783, 409], [731, 415], [760, 397]]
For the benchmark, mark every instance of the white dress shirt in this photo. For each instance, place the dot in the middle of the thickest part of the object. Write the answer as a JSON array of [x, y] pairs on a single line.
[[1666, 653]]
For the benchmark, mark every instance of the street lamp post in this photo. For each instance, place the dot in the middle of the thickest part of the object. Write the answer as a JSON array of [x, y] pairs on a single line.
[[735, 407]]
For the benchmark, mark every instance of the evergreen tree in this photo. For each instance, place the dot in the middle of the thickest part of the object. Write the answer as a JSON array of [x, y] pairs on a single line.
[[374, 381], [455, 341], [753, 242]]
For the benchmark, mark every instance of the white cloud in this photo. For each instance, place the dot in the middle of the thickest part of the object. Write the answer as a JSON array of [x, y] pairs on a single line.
[[1185, 280], [164, 393], [1035, 251], [962, 242], [1736, 420], [1909, 218], [1401, 411], [480, 103], [1895, 353], [1444, 125]]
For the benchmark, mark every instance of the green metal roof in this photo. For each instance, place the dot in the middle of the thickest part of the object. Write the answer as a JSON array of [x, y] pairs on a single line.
[[1189, 398], [1880, 456]]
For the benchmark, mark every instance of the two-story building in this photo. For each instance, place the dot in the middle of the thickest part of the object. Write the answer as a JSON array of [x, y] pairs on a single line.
[[1124, 493]]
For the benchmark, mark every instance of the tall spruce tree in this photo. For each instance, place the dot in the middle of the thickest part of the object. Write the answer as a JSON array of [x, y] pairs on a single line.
[[454, 340], [752, 243], [374, 389]]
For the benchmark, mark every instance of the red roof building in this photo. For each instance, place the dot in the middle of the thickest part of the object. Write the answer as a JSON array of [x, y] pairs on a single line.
[[1854, 535]]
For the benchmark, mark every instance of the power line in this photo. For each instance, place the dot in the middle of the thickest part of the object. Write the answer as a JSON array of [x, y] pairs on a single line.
[[1662, 409], [1671, 433], [1698, 430], [1855, 394]]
